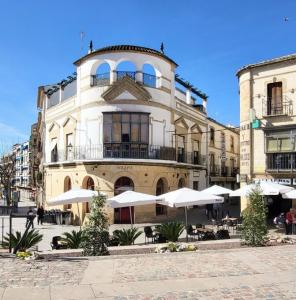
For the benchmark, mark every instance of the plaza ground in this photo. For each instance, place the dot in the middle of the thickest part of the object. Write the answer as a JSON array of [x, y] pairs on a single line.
[[245, 273]]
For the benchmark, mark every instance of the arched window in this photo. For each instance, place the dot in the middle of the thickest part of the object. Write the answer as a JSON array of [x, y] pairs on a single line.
[[181, 183], [123, 215], [67, 184], [149, 75], [67, 187], [123, 184], [161, 188], [126, 68], [88, 184], [102, 76]]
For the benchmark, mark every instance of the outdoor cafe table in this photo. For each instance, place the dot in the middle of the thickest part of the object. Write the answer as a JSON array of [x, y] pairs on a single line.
[[229, 219], [204, 230]]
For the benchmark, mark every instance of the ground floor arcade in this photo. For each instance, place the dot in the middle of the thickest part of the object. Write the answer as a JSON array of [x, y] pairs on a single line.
[[114, 178]]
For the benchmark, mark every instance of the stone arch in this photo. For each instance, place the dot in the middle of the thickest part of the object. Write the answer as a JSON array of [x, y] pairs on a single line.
[[96, 65], [181, 183], [124, 174], [88, 183], [150, 78], [161, 188], [123, 184], [123, 214], [155, 66]]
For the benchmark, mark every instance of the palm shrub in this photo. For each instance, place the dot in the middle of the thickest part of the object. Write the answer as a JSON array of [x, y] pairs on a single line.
[[126, 236], [254, 226], [73, 239], [96, 230], [171, 230], [29, 240]]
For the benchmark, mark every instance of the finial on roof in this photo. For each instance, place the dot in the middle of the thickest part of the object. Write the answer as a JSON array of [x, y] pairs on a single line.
[[90, 50], [162, 48]]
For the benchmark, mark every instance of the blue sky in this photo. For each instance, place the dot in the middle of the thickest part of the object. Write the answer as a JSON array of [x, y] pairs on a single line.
[[210, 40]]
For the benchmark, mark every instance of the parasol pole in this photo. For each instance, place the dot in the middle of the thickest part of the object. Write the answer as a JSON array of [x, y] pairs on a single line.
[[79, 215], [130, 211], [186, 223]]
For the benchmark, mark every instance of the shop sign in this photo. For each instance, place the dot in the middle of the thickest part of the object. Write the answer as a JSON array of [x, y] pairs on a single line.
[[284, 181]]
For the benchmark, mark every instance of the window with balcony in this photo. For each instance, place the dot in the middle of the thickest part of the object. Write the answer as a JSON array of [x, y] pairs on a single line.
[[126, 135], [54, 150], [231, 143], [281, 150], [181, 148], [274, 99], [212, 136]]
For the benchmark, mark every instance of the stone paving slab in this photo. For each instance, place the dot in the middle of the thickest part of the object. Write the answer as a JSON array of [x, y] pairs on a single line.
[[245, 273], [27, 293], [72, 292]]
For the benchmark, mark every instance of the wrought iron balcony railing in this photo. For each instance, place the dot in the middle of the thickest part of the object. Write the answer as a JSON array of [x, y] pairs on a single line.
[[285, 162], [215, 170], [101, 79], [277, 106], [104, 78], [126, 151], [149, 80], [122, 74]]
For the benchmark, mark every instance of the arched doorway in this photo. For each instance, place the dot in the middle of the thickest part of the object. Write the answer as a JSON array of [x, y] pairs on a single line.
[[122, 215], [67, 187], [88, 184], [161, 188], [181, 183]]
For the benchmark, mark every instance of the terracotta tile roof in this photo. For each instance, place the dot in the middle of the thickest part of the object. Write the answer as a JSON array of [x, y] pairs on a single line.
[[267, 62], [118, 48]]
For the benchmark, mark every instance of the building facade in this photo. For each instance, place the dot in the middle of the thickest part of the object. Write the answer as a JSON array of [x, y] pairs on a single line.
[[22, 179], [268, 124], [123, 121], [115, 129], [223, 159]]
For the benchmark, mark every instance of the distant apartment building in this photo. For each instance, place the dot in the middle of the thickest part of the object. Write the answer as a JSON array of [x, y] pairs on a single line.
[[268, 124], [223, 159], [22, 179]]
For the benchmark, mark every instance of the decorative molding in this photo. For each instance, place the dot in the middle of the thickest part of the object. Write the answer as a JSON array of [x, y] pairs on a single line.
[[129, 85]]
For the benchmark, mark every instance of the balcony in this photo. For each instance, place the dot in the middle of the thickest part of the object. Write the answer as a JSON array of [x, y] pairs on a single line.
[[126, 151], [104, 78], [225, 171], [215, 170], [277, 106], [281, 162]]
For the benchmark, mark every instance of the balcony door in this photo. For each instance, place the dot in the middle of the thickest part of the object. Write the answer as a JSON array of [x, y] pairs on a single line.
[[274, 98], [126, 135]]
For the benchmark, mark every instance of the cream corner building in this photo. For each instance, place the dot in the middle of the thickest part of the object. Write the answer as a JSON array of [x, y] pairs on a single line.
[[268, 124], [124, 120]]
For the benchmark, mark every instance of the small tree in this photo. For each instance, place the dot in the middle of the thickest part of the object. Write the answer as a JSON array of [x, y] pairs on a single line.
[[7, 172], [96, 230], [254, 227]]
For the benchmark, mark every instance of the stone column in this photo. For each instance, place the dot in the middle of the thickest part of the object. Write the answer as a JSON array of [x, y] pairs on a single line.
[[188, 97]]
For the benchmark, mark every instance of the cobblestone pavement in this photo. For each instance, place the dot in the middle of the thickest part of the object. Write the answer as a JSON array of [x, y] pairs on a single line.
[[246, 273]]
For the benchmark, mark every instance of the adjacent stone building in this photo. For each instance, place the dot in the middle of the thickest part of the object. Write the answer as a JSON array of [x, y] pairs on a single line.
[[268, 124], [223, 159]]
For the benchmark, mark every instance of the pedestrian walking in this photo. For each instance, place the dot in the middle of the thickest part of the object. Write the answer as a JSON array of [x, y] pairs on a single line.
[[289, 221], [30, 216], [40, 215]]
